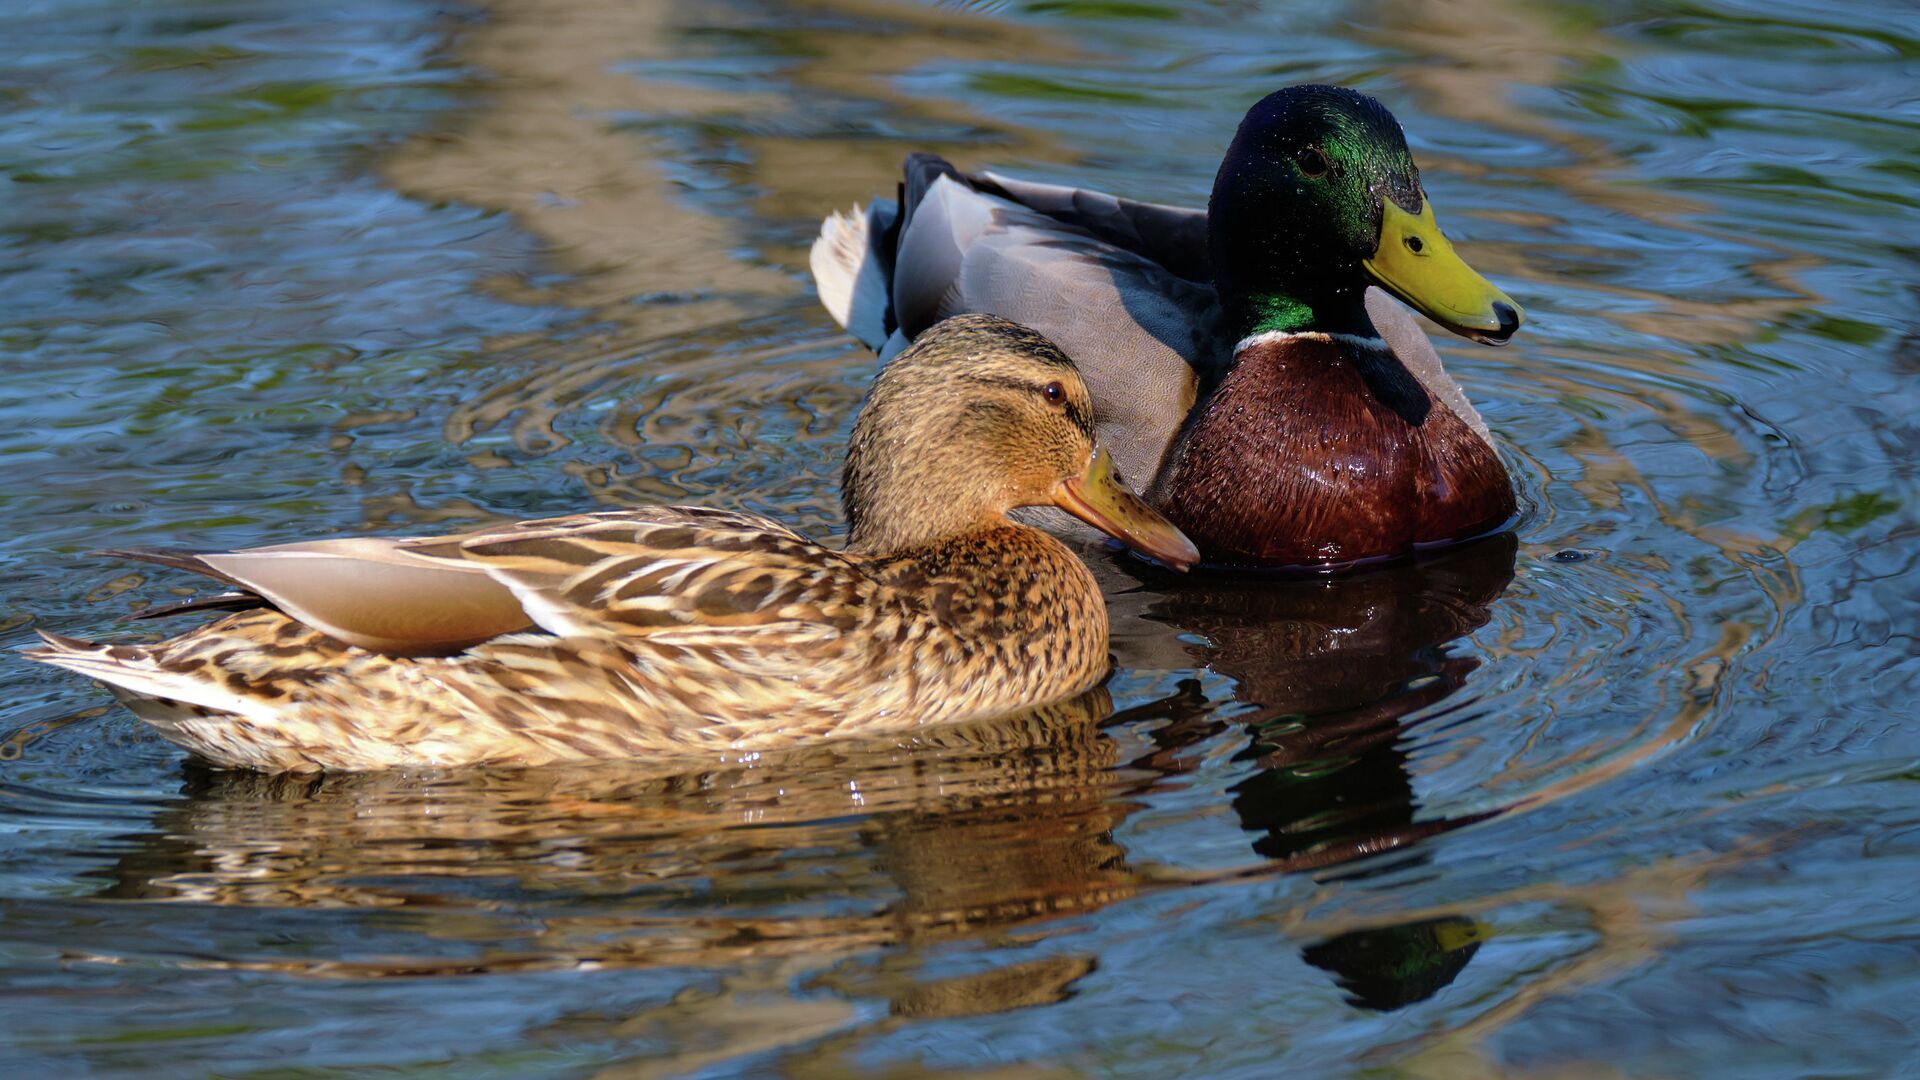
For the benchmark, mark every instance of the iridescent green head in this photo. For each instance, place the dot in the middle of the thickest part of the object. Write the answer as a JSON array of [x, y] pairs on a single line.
[[1318, 197]]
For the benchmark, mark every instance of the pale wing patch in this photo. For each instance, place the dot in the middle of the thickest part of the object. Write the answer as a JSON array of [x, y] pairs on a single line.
[[373, 593]]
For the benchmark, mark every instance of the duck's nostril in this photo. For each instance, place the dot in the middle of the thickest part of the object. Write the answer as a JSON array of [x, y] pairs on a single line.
[[1509, 318]]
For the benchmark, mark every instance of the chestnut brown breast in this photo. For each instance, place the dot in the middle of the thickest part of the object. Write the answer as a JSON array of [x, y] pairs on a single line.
[[1317, 450]]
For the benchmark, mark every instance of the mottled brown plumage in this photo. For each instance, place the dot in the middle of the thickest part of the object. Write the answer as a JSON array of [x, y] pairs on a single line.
[[679, 629], [1324, 449]]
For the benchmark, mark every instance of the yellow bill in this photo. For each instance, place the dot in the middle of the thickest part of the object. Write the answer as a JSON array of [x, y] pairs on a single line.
[[1459, 934], [1416, 262], [1101, 499]]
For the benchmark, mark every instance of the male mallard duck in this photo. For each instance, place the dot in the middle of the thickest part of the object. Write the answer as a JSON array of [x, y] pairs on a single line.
[[1284, 413], [669, 629]]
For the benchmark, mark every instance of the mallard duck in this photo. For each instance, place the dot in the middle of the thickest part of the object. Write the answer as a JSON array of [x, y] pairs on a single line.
[[679, 629], [1284, 411]]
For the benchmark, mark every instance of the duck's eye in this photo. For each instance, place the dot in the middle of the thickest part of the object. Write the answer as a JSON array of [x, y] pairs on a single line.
[[1415, 245], [1312, 162], [1055, 392]]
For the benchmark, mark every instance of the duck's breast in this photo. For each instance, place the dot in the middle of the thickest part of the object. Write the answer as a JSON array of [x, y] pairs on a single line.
[[1318, 450]]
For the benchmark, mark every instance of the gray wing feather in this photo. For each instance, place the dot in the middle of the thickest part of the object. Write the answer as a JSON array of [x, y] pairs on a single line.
[[1175, 237], [1137, 331]]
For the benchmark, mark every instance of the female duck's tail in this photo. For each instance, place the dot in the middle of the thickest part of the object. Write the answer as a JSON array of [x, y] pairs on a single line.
[[135, 674]]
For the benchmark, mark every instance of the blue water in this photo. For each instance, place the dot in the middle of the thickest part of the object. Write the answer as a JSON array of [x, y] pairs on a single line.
[[1628, 793]]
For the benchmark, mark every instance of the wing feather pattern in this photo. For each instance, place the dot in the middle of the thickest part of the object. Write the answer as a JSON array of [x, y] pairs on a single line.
[[666, 574]]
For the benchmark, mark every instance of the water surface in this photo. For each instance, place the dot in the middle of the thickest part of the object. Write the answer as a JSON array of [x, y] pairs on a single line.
[[1628, 792]]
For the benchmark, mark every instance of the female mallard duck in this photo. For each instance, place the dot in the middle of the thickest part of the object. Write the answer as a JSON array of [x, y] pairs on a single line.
[[1284, 413], [679, 629]]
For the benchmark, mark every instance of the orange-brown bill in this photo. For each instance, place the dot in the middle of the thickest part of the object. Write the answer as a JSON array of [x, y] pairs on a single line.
[[1101, 499]]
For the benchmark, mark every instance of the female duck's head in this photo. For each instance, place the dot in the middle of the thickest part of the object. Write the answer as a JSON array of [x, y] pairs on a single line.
[[978, 417], [1317, 198]]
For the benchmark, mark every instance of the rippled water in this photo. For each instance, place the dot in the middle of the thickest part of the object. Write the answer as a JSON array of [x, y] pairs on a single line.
[[1629, 793]]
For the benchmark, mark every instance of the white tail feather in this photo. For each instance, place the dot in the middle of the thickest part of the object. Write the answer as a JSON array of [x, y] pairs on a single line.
[[846, 271]]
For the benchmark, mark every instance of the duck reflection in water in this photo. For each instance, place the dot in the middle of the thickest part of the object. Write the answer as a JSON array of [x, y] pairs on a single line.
[[854, 849], [1331, 669]]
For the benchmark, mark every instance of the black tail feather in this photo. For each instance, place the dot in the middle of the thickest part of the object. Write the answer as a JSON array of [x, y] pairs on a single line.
[[62, 642], [174, 558], [233, 601], [921, 171]]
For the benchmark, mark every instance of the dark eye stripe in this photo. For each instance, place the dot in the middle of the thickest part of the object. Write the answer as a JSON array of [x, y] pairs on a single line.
[[1077, 414], [1005, 381]]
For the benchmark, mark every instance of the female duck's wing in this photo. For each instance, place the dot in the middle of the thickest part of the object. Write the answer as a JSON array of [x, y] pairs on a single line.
[[673, 575], [366, 591], [425, 596]]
